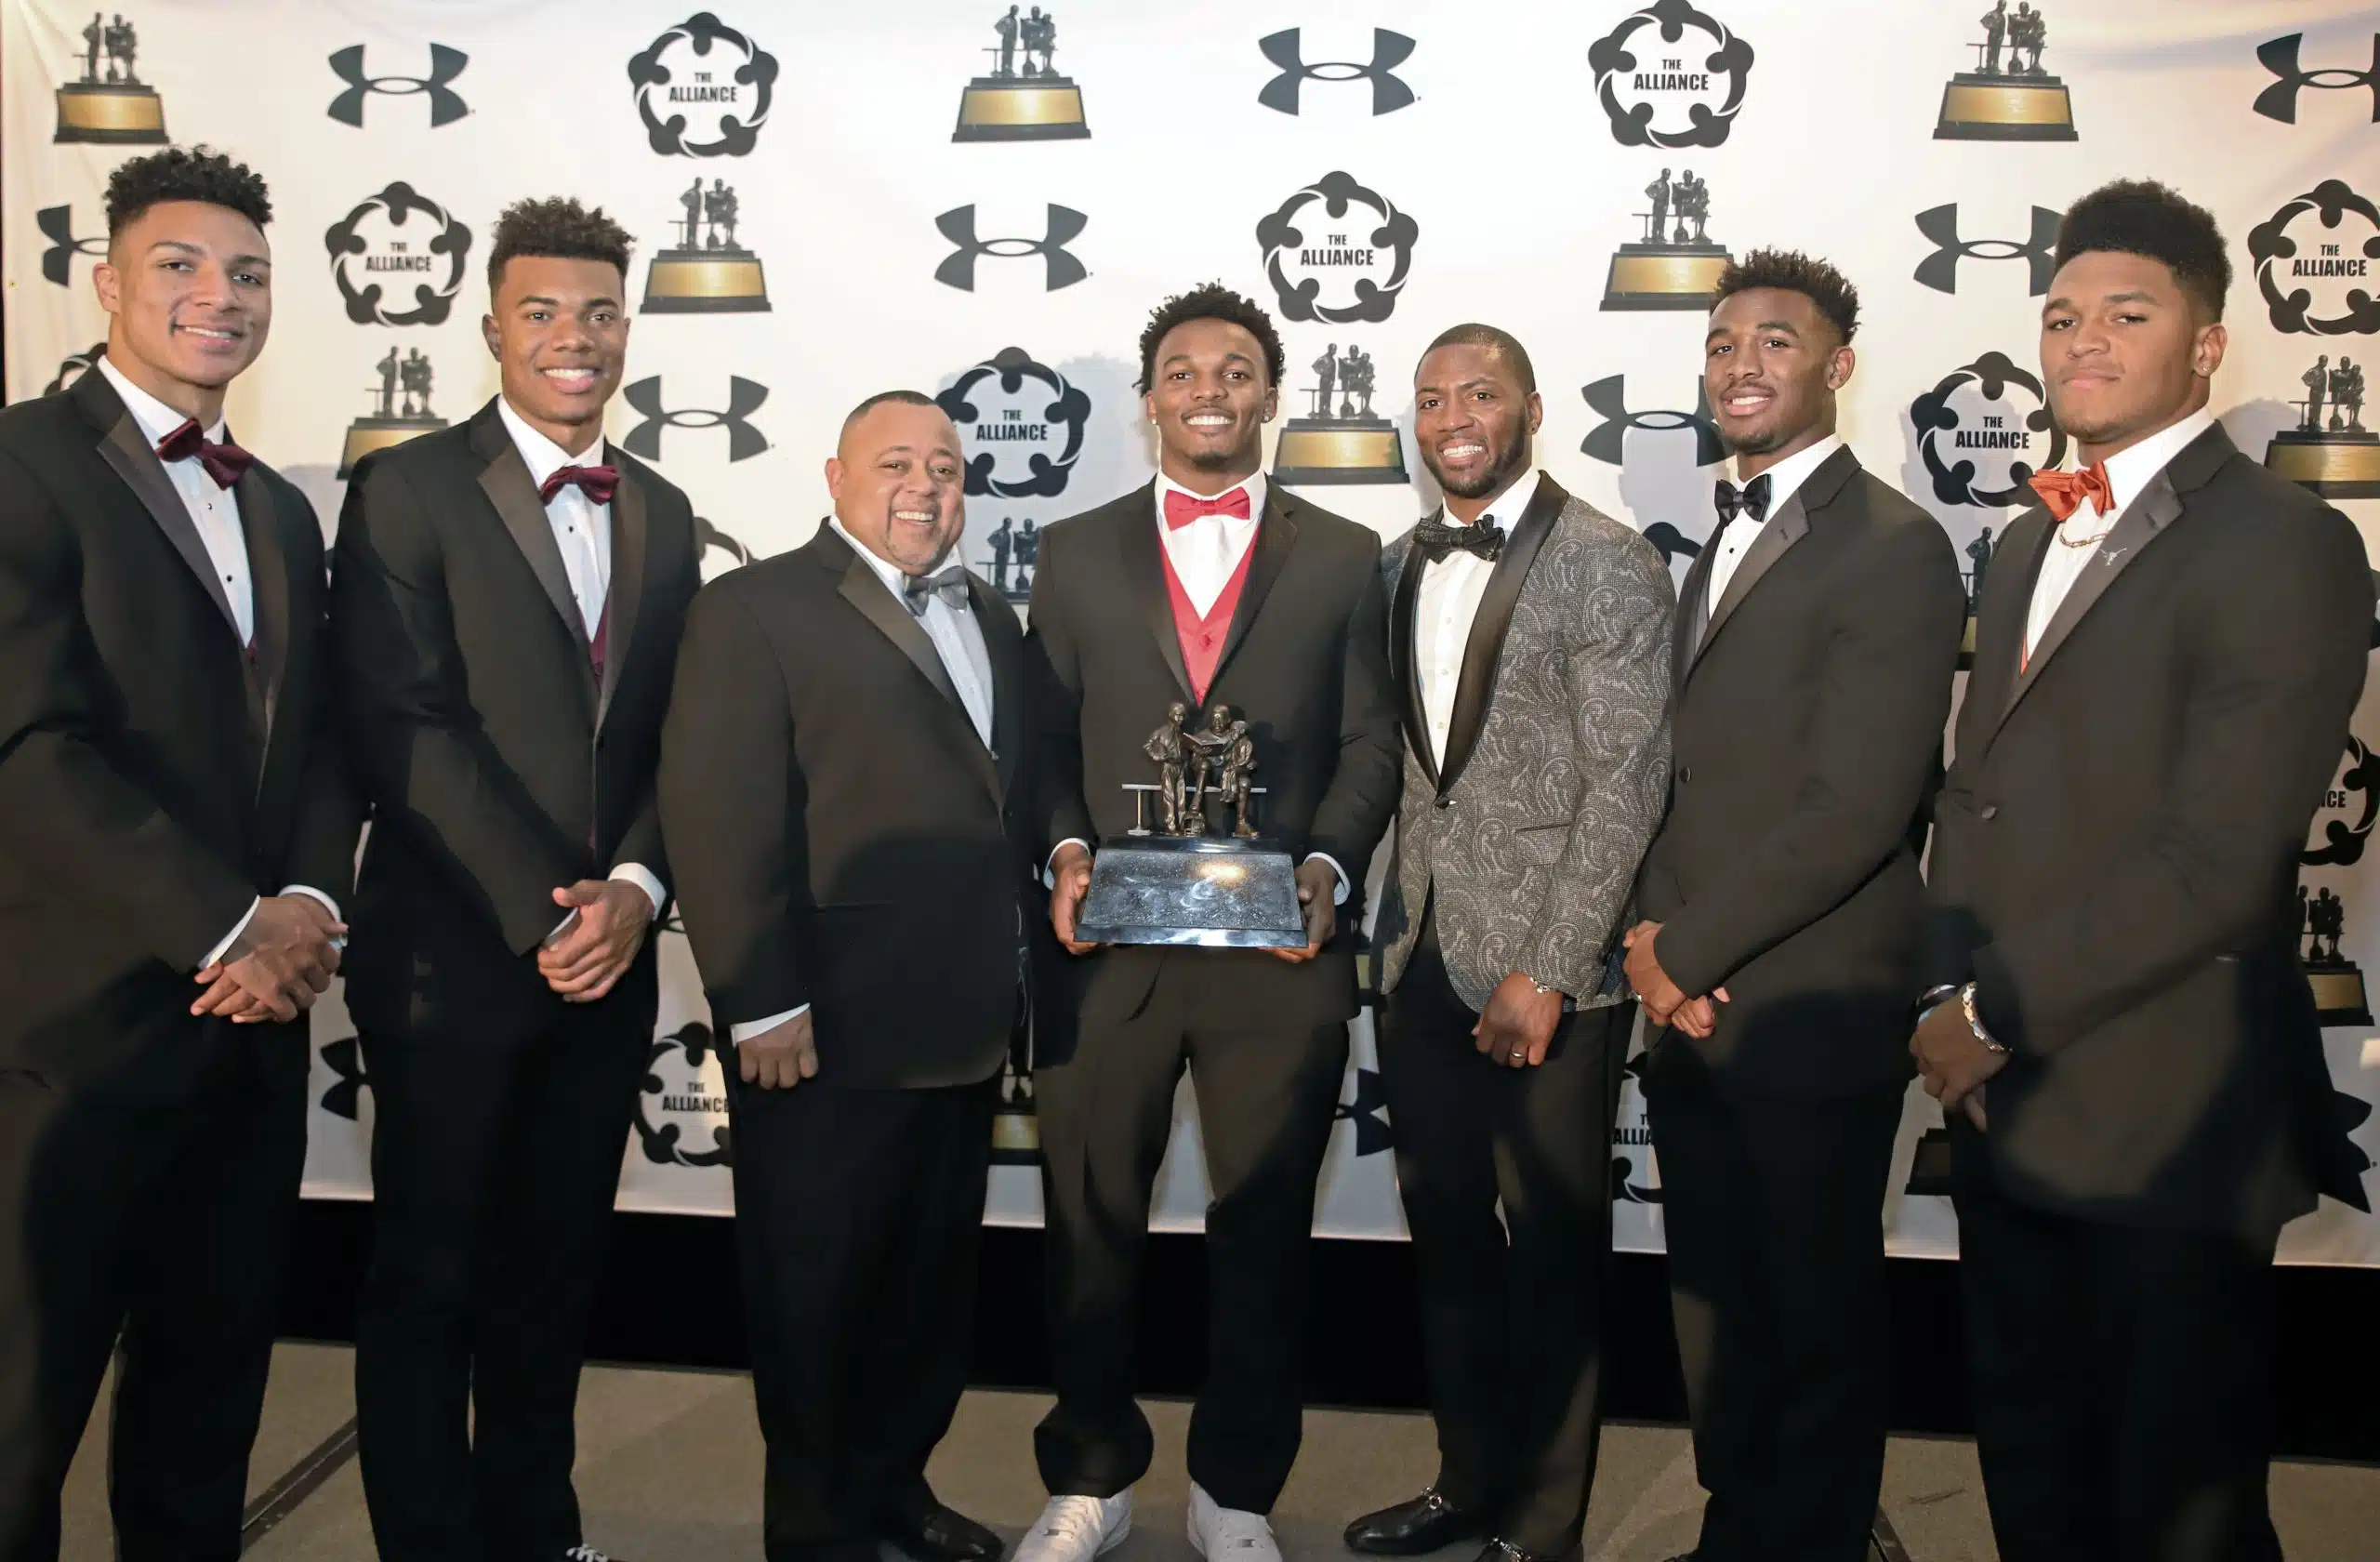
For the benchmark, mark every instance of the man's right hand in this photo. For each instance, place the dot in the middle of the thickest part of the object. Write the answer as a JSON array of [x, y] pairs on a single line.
[[781, 1058], [280, 962], [1070, 880]]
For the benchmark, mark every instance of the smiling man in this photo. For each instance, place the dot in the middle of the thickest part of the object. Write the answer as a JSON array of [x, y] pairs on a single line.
[[1208, 586], [507, 604], [1816, 635], [2167, 653]]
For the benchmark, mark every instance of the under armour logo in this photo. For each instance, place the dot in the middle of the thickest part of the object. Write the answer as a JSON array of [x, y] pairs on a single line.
[[1061, 269], [1389, 51], [345, 1098], [57, 225], [2279, 100], [1939, 270], [446, 105], [1670, 543], [1369, 1113], [1606, 441], [743, 398]]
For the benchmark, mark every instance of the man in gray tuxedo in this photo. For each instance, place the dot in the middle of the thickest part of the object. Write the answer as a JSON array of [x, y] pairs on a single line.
[[1529, 636]]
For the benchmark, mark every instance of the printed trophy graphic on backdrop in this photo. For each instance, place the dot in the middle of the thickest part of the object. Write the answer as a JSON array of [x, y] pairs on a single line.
[[706, 272], [2330, 452], [1674, 266], [400, 409], [1340, 439], [2008, 96], [109, 103], [2339, 997], [1021, 98], [1174, 880], [2341, 829]]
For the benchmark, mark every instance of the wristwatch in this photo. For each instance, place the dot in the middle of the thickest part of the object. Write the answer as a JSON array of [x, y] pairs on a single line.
[[1541, 988]]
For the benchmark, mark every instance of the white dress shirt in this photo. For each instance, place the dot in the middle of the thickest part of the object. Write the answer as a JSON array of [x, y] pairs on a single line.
[[1444, 605], [583, 532], [2129, 471], [1736, 541], [958, 640], [216, 512], [1206, 551]]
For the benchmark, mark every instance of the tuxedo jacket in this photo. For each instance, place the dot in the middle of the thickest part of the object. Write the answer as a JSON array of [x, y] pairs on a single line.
[[1806, 742], [1304, 662], [155, 779], [1526, 833], [496, 767], [842, 835], [2115, 857]]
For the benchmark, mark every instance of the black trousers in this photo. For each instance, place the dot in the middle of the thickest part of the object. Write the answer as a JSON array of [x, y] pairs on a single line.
[[1512, 1310], [857, 1215], [497, 1137], [2123, 1386], [1265, 1102], [152, 1204], [1774, 1209]]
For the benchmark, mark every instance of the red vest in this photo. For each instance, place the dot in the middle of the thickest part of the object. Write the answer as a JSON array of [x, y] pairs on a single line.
[[1202, 638]]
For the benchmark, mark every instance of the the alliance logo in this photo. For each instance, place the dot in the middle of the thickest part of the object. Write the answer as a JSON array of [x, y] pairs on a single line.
[[2327, 293], [344, 1058], [1356, 267], [703, 90], [446, 105], [1977, 434], [1606, 441], [2350, 806], [1939, 270], [73, 366], [2279, 100], [743, 398], [1389, 51], [57, 225], [1667, 88], [1022, 424], [683, 1100], [1060, 269], [398, 237]]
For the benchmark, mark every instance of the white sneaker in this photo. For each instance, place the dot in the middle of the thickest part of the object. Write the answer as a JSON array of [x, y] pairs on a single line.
[[1229, 1534], [1077, 1529]]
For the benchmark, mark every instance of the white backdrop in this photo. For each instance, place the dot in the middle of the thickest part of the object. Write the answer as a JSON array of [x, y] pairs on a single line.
[[1504, 137]]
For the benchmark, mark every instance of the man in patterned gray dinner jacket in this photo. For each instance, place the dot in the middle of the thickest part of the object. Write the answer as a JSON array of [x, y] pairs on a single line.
[[1529, 636]]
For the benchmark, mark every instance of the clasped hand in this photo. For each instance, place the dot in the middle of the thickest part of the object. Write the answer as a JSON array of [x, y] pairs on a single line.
[[280, 962], [1665, 1002], [592, 950], [1952, 1062]]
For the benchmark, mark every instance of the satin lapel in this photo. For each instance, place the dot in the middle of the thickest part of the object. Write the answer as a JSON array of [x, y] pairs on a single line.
[[127, 449], [863, 589], [1784, 529], [1005, 649], [2140, 525], [1144, 572], [1275, 537], [505, 482], [2000, 620], [1484, 648], [1416, 715], [269, 591], [630, 542], [1688, 632]]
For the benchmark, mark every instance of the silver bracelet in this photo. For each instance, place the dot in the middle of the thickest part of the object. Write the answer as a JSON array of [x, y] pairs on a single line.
[[1975, 1020]]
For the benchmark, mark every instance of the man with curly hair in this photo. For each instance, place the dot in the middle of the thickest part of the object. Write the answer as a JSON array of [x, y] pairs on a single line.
[[507, 606], [175, 842], [1210, 587]]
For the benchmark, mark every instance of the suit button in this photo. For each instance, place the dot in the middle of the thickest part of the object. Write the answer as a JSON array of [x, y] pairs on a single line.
[[1685, 773], [1446, 803], [1990, 811]]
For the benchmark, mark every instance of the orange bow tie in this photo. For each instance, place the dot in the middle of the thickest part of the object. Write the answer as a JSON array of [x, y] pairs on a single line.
[[2064, 492]]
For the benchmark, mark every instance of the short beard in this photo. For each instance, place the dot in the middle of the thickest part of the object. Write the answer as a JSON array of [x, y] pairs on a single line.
[[1217, 461], [1508, 465], [1755, 445]]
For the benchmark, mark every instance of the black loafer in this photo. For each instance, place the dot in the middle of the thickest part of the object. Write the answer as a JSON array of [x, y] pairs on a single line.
[[934, 1533], [1418, 1525]]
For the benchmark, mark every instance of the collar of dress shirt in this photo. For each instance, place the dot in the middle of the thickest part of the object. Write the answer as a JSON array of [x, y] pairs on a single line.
[[895, 579], [1507, 507], [543, 456], [156, 420], [1254, 483], [2129, 470], [1791, 473]]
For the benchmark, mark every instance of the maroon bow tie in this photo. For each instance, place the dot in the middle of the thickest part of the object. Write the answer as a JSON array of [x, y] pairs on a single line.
[[599, 483], [226, 463]]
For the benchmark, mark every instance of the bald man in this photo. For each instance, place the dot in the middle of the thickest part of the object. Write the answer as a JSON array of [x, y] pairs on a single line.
[[841, 785]]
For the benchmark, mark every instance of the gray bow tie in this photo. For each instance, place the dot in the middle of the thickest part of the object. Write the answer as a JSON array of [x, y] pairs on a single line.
[[949, 584]]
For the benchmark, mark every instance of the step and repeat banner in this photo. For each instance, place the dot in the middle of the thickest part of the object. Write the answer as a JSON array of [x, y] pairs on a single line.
[[984, 201]]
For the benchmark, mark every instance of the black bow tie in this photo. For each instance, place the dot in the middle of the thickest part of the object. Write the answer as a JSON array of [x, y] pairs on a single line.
[[1751, 499], [1437, 540], [949, 584]]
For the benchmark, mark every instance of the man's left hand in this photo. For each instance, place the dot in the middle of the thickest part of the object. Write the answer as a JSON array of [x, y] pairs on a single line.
[[1519, 1022], [1951, 1059], [590, 956], [1317, 882]]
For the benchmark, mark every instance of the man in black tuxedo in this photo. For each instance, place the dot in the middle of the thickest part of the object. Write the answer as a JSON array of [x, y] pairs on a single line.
[[174, 841], [1208, 586], [2167, 653], [507, 604], [845, 787], [1817, 632]]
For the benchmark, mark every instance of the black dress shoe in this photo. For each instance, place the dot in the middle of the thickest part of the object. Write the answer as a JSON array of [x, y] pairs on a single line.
[[1418, 1525], [1501, 1550], [934, 1533]]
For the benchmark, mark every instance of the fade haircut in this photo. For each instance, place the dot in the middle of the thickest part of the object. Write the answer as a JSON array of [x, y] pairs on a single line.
[[1502, 343], [1213, 301], [2141, 217], [560, 227], [184, 174], [1796, 273], [905, 398]]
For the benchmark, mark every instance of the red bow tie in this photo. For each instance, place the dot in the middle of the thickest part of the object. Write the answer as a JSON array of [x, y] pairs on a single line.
[[226, 463], [2064, 492], [1180, 508], [599, 483]]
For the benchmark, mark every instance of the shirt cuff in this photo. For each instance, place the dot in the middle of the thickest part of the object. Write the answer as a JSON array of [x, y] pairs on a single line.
[[1339, 893], [1050, 880], [750, 1028], [238, 928], [326, 902], [641, 877]]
